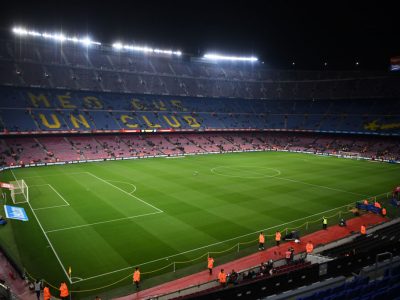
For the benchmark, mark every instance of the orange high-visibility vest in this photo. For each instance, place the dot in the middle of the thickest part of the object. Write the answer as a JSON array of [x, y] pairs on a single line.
[[222, 277], [377, 204], [277, 236], [309, 247], [288, 254], [261, 238], [64, 290], [210, 263], [136, 276], [363, 230], [46, 293], [384, 211]]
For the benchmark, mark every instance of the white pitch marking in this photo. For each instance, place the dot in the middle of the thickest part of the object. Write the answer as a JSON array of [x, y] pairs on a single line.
[[221, 242], [287, 179], [103, 222], [159, 210], [45, 235]]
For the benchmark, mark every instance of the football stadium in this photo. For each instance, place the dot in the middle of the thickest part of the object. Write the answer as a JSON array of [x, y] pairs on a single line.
[[138, 172]]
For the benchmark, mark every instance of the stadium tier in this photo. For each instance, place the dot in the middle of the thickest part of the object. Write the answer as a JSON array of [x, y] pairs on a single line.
[[43, 149], [46, 110]]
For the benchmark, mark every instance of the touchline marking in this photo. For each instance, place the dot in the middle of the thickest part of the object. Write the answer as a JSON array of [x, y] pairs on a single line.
[[45, 235], [159, 210], [102, 222], [218, 243]]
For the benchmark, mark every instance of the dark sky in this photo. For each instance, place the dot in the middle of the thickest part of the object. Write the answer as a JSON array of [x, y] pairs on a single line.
[[278, 32]]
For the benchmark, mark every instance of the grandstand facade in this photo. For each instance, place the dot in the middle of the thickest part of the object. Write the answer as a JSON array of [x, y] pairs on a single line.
[[50, 88]]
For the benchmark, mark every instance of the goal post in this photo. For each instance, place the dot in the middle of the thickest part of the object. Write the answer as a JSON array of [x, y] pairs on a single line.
[[349, 154], [19, 191]]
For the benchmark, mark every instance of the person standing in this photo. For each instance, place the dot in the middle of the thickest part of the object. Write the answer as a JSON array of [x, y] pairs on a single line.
[[64, 293], [38, 286], [309, 248], [136, 277], [46, 293], [324, 223], [383, 212], [363, 230], [222, 277], [261, 241], [210, 264], [288, 255], [278, 238]]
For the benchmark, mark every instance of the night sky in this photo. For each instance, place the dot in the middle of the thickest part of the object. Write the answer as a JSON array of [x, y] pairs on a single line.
[[308, 33]]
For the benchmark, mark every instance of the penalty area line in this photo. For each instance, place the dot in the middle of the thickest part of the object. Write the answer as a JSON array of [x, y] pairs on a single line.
[[125, 192], [103, 222], [47, 238]]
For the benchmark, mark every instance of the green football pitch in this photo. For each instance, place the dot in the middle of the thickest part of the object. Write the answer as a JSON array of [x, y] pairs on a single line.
[[102, 219]]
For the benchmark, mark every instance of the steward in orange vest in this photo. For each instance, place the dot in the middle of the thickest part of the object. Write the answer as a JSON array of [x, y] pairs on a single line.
[[309, 247], [363, 230], [64, 291], [136, 277], [210, 264], [383, 212], [46, 293], [278, 238], [261, 241], [222, 277]]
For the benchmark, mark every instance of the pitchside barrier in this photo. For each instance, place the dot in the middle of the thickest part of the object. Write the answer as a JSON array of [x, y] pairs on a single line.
[[234, 248]]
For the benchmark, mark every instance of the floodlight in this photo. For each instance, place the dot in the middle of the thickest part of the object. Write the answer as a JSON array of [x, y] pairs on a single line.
[[60, 37], [213, 56], [117, 46], [145, 49]]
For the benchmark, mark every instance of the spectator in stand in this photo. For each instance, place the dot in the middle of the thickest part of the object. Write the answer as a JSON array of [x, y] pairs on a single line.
[[263, 269], [288, 255], [291, 249], [233, 277]]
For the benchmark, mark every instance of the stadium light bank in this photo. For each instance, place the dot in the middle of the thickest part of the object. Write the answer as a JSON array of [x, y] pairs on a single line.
[[216, 57], [60, 37], [120, 46]]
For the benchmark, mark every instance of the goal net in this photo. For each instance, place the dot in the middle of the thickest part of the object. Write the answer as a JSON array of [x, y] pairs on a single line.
[[19, 192], [348, 154]]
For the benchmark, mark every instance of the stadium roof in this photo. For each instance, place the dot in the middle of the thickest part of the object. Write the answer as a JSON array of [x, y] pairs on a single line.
[[283, 34]]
